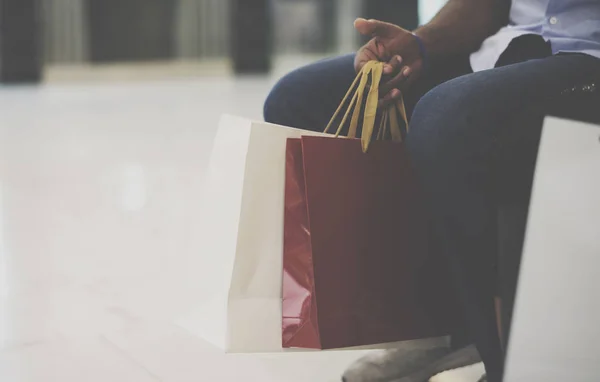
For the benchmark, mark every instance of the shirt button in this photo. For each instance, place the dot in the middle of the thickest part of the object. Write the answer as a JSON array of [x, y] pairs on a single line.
[[553, 20]]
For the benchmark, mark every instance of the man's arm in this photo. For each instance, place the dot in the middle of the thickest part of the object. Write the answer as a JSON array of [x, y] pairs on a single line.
[[461, 26]]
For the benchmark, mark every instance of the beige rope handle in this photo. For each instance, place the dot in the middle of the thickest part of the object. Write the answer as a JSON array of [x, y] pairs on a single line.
[[402, 110], [345, 118], [394, 126], [383, 124], [389, 122], [371, 106], [359, 85], [339, 109], [353, 129], [372, 70], [392, 119]]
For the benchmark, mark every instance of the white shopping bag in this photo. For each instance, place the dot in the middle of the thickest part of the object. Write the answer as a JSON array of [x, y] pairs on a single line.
[[555, 331], [243, 212], [243, 237]]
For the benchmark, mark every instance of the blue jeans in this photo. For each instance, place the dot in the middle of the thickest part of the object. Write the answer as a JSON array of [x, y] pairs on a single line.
[[465, 133]]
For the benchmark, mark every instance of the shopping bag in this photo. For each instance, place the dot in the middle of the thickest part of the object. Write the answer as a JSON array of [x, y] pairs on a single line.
[[357, 269], [242, 236], [554, 329]]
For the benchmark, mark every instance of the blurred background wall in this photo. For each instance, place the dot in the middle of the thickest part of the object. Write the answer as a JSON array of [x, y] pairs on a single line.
[[77, 32]]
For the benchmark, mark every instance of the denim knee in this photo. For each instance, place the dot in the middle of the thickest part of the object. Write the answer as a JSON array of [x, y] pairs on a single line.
[[272, 108], [428, 129], [440, 122], [277, 105]]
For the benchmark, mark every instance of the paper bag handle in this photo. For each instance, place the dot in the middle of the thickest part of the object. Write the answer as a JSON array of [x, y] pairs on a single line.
[[372, 70]]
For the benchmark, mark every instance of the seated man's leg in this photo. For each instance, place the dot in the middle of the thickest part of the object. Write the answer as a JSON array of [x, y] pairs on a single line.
[[307, 97], [455, 132]]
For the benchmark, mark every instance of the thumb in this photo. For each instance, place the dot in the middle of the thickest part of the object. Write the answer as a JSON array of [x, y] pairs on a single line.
[[374, 28]]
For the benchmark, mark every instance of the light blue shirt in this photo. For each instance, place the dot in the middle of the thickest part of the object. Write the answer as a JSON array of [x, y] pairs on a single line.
[[569, 25]]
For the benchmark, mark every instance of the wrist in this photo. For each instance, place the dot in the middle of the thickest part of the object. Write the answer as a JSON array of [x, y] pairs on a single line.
[[425, 35], [423, 51]]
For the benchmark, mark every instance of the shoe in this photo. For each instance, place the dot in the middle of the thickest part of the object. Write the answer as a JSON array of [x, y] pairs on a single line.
[[466, 356], [390, 364], [410, 366]]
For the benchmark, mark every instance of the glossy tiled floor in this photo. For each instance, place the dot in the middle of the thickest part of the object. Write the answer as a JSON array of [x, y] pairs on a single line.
[[99, 210]]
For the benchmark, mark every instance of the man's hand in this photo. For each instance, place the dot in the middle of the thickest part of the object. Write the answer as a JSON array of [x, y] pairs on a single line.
[[395, 46]]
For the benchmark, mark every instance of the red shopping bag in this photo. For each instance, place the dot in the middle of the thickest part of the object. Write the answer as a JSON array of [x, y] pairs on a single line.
[[357, 269]]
